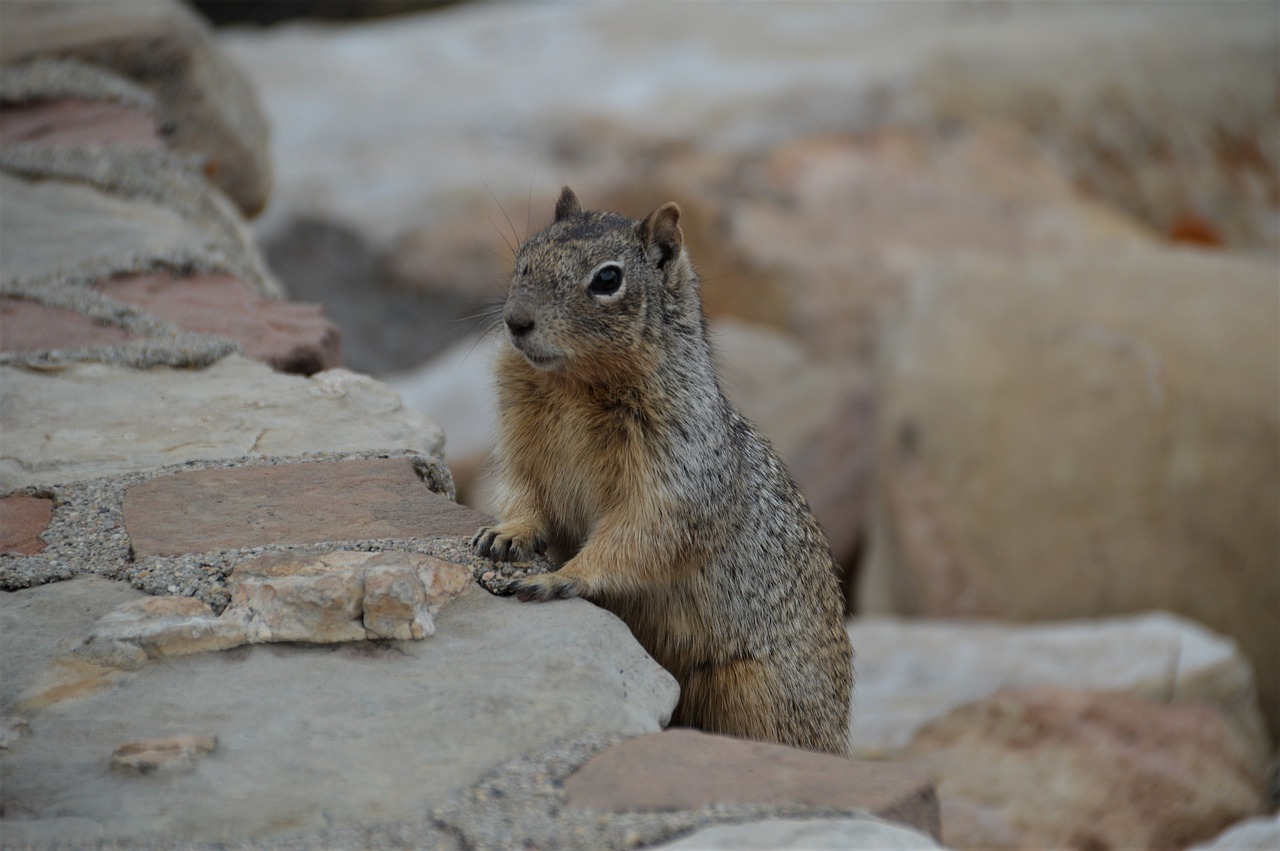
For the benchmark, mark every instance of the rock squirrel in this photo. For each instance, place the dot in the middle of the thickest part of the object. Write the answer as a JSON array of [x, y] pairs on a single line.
[[620, 458]]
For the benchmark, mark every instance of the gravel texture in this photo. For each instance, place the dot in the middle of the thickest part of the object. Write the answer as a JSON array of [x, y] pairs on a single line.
[[45, 79]]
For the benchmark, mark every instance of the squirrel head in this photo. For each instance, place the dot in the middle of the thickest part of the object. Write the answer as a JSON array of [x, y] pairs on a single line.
[[597, 294]]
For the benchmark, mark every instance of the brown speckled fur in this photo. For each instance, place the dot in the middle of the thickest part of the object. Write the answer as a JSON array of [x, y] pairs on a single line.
[[621, 458]]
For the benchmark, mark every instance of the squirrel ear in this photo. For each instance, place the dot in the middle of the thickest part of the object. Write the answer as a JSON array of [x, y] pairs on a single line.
[[568, 205], [661, 229]]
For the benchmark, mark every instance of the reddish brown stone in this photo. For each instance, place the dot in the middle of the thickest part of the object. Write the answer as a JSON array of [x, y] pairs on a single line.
[[78, 122], [29, 326], [290, 336], [288, 504], [1082, 769], [686, 769], [22, 519]]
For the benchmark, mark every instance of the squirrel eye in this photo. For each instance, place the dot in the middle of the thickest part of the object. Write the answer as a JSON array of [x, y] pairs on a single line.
[[606, 280]]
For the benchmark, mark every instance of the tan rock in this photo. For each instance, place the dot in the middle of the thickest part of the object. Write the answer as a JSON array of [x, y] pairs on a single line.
[[342, 596], [159, 627], [1089, 770], [173, 755], [1073, 437]]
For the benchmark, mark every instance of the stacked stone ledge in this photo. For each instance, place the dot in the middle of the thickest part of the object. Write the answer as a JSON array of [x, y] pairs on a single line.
[[185, 468]]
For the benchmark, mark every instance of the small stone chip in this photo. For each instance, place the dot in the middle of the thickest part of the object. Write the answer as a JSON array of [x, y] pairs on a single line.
[[173, 755]]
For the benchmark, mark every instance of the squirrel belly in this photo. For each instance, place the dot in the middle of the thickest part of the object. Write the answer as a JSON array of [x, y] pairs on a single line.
[[621, 458]]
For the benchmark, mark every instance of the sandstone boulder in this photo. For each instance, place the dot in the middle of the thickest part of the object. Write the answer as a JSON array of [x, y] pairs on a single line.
[[1090, 769], [1072, 437]]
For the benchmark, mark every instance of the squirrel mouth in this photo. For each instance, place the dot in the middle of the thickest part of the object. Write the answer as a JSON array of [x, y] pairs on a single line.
[[541, 361]]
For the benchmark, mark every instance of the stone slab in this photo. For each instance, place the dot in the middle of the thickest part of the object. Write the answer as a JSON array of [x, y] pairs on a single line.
[[22, 519], [853, 834], [29, 326], [52, 227], [288, 504], [91, 420], [290, 336], [78, 122], [314, 738], [687, 769]]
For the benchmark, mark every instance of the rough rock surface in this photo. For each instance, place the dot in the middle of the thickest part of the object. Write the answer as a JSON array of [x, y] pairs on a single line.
[[312, 738], [114, 420], [1120, 771], [322, 599], [912, 672], [1081, 415]]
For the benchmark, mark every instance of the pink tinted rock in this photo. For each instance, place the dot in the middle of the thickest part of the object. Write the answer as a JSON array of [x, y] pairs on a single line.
[[687, 769], [290, 336], [1088, 770], [29, 326], [288, 504], [171, 755], [22, 519], [78, 122]]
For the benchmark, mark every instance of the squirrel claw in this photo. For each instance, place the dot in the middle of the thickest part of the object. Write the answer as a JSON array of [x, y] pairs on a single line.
[[501, 546], [543, 587]]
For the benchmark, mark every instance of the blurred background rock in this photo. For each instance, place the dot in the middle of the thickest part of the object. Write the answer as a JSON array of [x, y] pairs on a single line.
[[1000, 279]]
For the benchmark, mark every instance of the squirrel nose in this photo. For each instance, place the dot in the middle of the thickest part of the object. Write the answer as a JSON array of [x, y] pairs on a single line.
[[518, 322]]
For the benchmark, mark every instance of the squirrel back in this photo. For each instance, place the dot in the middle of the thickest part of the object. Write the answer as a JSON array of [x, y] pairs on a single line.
[[621, 458]]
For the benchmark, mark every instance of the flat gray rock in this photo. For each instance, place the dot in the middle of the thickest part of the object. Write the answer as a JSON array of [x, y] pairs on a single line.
[[780, 834], [92, 420], [309, 738], [45, 218]]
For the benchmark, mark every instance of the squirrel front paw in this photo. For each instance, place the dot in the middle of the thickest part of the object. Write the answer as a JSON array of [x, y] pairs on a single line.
[[545, 586], [508, 543]]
